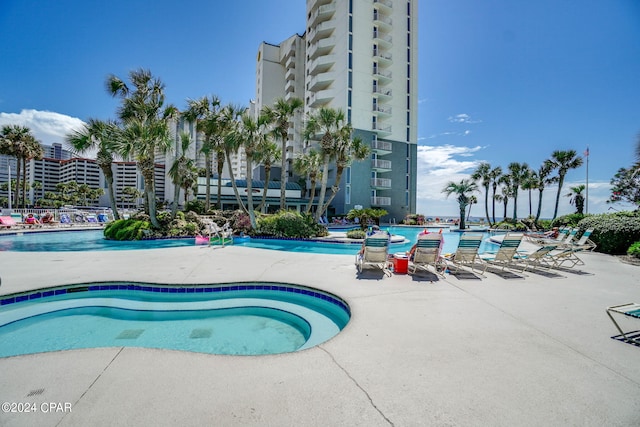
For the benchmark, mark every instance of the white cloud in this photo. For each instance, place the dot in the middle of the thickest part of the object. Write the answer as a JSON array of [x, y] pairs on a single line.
[[48, 127], [463, 118]]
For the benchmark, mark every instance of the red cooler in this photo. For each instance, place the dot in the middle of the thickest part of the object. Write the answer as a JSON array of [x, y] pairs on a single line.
[[400, 263]]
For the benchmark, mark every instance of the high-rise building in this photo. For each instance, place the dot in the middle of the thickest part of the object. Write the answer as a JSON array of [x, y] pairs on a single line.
[[359, 56]]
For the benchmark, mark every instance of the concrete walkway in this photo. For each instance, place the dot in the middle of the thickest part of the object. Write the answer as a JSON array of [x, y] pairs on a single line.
[[502, 350]]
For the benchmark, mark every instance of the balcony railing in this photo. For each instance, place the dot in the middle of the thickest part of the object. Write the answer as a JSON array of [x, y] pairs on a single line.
[[381, 182], [381, 164], [381, 146], [381, 201]]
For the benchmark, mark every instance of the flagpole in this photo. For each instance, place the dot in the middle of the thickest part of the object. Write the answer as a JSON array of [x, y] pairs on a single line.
[[587, 193]]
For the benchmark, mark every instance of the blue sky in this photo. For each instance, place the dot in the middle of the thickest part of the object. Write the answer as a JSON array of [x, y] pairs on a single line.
[[499, 80]]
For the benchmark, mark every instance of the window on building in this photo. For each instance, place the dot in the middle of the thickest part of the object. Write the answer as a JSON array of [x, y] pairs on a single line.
[[374, 122], [375, 104], [375, 67], [347, 195], [347, 175]]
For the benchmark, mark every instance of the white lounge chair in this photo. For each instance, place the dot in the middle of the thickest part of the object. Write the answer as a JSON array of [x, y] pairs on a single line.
[[375, 254], [506, 255], [427, 253], [467, 252], [631, 310]]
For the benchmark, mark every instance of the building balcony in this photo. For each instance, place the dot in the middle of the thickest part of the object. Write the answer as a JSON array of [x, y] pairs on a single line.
[[382, 40], [381, 147], [381, 165], [321, 64], [290, 61], [322, 47], [382, 110], [380, 129], [383, 77], [383, 22], [381, 201], [290, 74], [383, 93], [322, 97], [380, 183], [322, 13], [321, 31], [322, 81], [290, 86], [384, 5], [383, 58]]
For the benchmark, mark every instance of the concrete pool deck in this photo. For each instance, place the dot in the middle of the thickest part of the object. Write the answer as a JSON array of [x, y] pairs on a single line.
[[497, 351]]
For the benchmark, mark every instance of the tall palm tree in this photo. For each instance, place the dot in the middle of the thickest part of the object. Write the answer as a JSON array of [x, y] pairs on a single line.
[[347, 148], [267, 153], [517, 174], [494, 177], [529, 183], [146, 131], [472, 201], [33, 150], [309, 165], [563, 161], [327, 122], [103, 136], [577, 198], [180, 170], [280, 115], [482, 175], [464, 190], [16, 142], [251, 135], [506, 192], [543, 179], [206, 112], [228, 131]]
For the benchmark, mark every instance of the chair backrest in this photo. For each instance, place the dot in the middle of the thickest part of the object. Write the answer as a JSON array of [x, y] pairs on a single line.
[[570, 236], [428, 248], [508, 247], [376, 248], [468, 247], [584, 237]]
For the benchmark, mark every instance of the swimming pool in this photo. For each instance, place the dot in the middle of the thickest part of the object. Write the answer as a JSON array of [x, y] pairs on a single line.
[[93, 240], [234, 318]]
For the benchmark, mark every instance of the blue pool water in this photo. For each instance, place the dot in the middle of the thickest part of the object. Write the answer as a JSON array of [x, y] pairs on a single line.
[[93, 240], [238, 319]]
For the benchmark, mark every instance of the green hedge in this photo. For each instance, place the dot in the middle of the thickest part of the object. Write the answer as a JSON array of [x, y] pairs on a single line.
[[126, 229], [634, 250], [289, 224], [614, 233], [356, 234]]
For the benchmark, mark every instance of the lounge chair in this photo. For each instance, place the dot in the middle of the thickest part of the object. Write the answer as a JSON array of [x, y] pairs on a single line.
[[585, 242], [220, 235], [539, 258], [566, 254], [632, 310], [427, 253], [467, 252], [507, 254], [7, 223], [375, 253]]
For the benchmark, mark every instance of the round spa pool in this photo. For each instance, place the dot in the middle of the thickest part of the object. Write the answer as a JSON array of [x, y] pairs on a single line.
[[232, 318]]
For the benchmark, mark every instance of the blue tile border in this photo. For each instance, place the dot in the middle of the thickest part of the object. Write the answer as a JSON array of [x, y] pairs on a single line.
[[176, 289]]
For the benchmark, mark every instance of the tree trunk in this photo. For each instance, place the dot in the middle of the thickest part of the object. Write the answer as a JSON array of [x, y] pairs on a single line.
[[16, 196], [323, 188], [462, 214], [267, 176], [539, 205], [207, 172], [493, 205], [486, 204], [233, 183], [313, 192], [220, 168], [560, 183], [283, 172], [336, 186], [250, 211]]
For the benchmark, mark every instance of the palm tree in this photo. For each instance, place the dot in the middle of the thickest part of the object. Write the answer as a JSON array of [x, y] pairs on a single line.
[[542, 180], [577, 198], [563, 161], [133, 193], [346, 149], [494, 177], [309, 165], [267, 153], [517, 174], [206, 112], [228, 130], [103, 136], [251, 135], [331, 124], [506, 193], [180, 169], [146, 130], [280, 115], [472, 201], [464, 190], [32, 150], [482, 174], [529, 183], [17, 141]]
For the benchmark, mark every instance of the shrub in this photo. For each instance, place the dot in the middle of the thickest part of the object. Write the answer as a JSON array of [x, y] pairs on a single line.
[[356, 234], [511, 226], [570, 220], [126, 229], [613, 233], [634, 250], [289, 224], [196, 206]]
